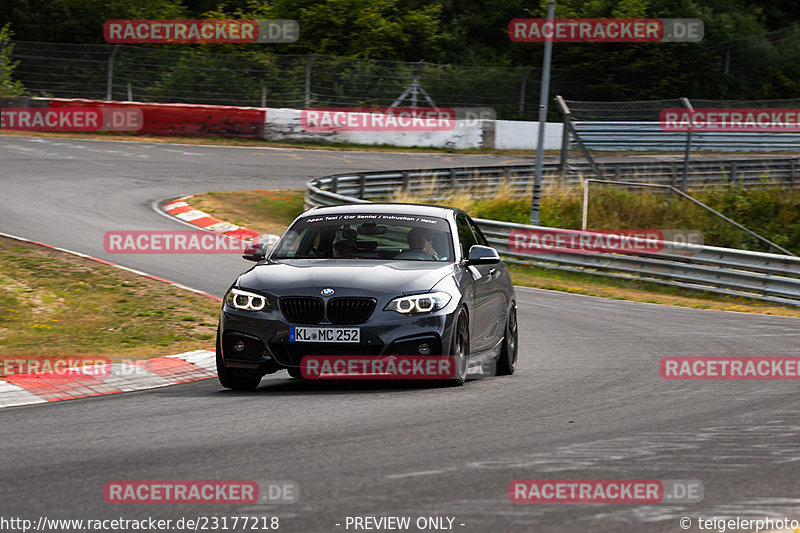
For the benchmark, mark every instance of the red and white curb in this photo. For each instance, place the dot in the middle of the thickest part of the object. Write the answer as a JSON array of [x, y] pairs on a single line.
[[25, 389], [181, 209]]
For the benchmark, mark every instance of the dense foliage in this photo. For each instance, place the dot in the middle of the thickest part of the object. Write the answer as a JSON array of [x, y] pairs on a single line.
[[750, 48]]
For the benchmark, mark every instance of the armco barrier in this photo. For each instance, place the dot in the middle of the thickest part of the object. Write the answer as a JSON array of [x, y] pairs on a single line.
[[769, 277], [748, 173], [639, 135], [182, 119]]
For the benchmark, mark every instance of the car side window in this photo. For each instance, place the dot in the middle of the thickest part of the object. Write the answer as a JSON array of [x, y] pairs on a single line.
[[478, 233], [465, 236]]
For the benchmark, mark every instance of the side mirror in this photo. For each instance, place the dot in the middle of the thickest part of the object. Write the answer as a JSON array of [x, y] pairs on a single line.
[[258, 248], [482, 255]]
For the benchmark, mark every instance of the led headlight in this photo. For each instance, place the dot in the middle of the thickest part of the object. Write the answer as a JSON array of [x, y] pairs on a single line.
[[419, 303], [246, 301]]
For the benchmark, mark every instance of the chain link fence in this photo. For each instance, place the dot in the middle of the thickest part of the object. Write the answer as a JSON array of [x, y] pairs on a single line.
[[753, 67], [184, 75]]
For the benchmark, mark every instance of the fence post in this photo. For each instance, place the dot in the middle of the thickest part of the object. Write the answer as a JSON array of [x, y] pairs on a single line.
[[308, 79], [566, 114], [585, 215], [522, 90], [130, 92], [791, 173], [673, 174], [263, 96], [688, 106], [110, 81]]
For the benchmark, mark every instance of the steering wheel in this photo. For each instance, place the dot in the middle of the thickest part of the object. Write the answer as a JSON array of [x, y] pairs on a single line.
[[414, 254]]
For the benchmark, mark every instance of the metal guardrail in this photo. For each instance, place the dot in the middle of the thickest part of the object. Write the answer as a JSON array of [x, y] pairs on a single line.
[[768, 277], [704, 173], [641, 135]]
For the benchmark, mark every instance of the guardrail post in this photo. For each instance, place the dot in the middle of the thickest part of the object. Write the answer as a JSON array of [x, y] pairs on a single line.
[[585, 214], [362, 185], [565, 113], [335, 184], [562, 163], [688, 106], [733, 171], [453, 180], [405, 180], [791, 173], [673, 174]]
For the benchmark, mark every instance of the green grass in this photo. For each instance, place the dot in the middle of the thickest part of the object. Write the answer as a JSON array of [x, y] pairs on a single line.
[[54, 303]]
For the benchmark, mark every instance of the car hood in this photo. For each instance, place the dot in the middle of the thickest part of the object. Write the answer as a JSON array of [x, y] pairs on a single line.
[[347, 277]]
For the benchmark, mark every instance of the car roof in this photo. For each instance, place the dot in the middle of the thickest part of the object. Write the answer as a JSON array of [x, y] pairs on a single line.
[[394, 208]]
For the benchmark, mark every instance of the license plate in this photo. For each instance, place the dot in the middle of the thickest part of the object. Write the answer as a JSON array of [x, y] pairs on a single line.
[[298, 334]]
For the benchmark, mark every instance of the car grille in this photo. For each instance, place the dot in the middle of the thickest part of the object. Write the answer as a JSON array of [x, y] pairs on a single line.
[[302, 310], [306, 310], [350, 310], [292, 354]]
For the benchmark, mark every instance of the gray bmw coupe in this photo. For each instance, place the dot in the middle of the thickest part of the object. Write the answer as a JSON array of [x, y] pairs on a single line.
[[369, 280]]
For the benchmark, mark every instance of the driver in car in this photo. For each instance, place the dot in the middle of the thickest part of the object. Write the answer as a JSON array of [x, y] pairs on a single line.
[[419, 239]]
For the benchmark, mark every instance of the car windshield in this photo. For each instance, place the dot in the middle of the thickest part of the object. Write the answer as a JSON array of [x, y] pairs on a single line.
[[387, 237]]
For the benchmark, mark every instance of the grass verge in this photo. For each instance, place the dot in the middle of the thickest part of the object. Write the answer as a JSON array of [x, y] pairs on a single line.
[[318, 145], [53, 303], [257, 143], [258, 210]]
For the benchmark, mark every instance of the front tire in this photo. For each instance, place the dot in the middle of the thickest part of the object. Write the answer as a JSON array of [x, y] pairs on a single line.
[[507, 360], [459, 350], [228, 379]]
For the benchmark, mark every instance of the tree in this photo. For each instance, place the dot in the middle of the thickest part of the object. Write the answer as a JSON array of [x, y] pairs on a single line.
[[9, 88]]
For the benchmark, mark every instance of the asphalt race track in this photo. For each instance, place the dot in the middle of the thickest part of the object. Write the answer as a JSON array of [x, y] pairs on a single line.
[[587, 401]]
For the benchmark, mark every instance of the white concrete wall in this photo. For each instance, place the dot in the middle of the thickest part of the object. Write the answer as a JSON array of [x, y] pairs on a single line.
[[520, 135], [284, 125]]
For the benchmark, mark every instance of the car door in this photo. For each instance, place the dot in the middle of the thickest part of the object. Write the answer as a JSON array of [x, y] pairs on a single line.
[[481, 291], [497, 298]]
